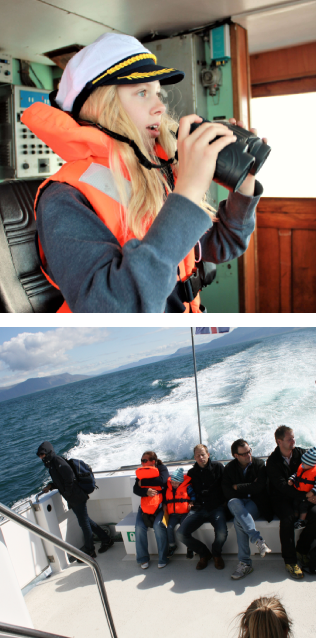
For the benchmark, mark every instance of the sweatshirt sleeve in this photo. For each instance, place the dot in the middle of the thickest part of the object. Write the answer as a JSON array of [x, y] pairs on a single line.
[[229, 236], [96, 274]]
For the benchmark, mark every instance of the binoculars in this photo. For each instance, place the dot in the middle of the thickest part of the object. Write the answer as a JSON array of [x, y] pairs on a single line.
[[238, 159]]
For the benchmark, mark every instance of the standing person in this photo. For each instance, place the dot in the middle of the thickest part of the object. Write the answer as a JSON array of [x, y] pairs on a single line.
[[304, 480], [180, 499], [282, 464], [265, 618], [206, 477], [64, 480], [112, 235], [150, 512], [245, 488]]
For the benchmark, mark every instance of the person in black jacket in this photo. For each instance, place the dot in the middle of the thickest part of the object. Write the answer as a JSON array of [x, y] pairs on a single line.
[[64, 480], [245, 488], [145, 488], [281, 464], [206, 481]]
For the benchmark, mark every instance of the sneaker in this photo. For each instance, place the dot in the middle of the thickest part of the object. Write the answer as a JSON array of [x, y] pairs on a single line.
[[189, 553], [300, 524], [294, 571], [172, 549], [161, 565], [105, 545], [144, 565], [263, 548], [241, 570]]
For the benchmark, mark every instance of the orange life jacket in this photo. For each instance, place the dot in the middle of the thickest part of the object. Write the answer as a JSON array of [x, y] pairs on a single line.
[[305, 479], [178, 503], [86, 150], [149, 504]]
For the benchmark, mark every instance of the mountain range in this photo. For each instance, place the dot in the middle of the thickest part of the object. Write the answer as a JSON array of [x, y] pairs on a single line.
[[239, 335]]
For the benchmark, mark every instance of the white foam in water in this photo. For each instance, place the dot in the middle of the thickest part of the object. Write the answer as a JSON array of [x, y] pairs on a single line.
[[248, 394]]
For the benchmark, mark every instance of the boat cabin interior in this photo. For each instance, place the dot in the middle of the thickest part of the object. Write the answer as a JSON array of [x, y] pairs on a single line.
[[234, 54]]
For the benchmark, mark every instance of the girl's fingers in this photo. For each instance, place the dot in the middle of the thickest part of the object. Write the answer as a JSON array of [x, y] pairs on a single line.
[[185, 125], [221, 143]]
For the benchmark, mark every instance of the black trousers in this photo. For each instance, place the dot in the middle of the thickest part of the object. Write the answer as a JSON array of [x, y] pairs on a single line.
[[285, 512]]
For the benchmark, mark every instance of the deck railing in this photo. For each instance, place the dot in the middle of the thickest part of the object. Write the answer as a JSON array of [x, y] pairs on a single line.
[[27, 632], [73, 551]]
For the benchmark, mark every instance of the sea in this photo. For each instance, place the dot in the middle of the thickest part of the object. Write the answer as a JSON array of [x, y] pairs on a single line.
[[245, 391]]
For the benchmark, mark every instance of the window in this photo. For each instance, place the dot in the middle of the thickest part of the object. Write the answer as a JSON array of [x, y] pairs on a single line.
[[288, 123]]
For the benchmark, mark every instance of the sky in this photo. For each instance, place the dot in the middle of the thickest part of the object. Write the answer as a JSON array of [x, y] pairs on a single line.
[[36, 352]]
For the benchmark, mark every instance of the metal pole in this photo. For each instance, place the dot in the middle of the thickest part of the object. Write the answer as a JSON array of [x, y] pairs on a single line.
[[15, 630], [73, 551], [196, 386]]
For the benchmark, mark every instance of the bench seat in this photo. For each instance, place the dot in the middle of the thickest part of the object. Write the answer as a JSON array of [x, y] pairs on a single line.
[[269, 531]]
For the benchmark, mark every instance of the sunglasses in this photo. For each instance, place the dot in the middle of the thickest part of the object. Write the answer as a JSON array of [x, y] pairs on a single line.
[[145, 460], [245, 453]]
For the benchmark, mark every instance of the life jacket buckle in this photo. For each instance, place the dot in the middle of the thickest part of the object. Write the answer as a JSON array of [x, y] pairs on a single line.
[[191, 285]]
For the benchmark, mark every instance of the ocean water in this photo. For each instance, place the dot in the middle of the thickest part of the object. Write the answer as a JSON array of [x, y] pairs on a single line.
[[244, 391]]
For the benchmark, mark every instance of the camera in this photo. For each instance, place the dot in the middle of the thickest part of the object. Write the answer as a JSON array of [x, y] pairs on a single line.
[[237, 160]]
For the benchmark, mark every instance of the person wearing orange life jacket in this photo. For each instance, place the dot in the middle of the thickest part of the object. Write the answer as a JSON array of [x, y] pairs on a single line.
[[150, 513], [179, 498], [113, 237], [304, 480]]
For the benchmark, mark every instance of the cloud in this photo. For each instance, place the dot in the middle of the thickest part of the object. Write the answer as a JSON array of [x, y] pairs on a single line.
[[29, 351]]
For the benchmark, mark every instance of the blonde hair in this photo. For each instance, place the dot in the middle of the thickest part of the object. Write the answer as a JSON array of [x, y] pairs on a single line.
[[149, 188], [265, 618]]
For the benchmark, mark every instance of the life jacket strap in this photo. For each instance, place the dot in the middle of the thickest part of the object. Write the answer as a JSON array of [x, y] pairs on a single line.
[[189, 287], [121, 138]]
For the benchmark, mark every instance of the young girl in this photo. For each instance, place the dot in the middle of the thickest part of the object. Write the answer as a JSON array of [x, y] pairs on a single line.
[[180, 499], [265, 618], [304, 480], [116, 234]]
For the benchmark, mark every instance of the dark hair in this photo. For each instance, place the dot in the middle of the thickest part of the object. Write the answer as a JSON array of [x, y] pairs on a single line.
[[281, 432], [265, 618], [200, 445], [153, 457], [237, 444]]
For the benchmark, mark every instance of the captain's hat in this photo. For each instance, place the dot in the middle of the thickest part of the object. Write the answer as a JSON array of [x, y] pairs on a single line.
[[112, 59]]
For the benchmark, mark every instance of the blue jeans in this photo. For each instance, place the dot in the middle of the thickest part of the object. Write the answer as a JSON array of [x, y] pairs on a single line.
[[174, 519], [88, 527], [160, 531], [245, 514], [194, 520]]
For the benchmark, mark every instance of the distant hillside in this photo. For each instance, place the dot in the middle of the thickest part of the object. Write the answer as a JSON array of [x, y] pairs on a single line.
[[42, 383], [239, 335]]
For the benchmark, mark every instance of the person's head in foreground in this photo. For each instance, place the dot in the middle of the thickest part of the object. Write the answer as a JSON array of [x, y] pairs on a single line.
[[265, 618]]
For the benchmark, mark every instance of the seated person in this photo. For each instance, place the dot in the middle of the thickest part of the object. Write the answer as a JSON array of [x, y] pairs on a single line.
[[304, 480], [206, 478], [244, 486], [180, 498], [150, 514], [281, 464]]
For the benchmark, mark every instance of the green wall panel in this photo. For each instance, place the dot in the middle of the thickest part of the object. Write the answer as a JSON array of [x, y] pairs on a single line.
[[43, 72]]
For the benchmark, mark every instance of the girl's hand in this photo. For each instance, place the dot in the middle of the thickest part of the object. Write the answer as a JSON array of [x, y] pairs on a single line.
[[290, 482], [197, 157], [248, 185], [151, 492]]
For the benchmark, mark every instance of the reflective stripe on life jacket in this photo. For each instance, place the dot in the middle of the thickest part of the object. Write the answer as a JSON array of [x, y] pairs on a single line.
[[177, 503], [305, 479], [149, 504]]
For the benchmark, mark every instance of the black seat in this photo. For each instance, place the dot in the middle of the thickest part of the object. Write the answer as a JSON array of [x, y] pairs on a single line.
[[23, 287]]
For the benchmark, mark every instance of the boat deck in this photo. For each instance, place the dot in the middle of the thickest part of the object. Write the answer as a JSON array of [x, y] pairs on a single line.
[[175, 601]]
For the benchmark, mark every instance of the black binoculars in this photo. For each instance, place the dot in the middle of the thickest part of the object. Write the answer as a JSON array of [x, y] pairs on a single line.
[[237, 160]]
